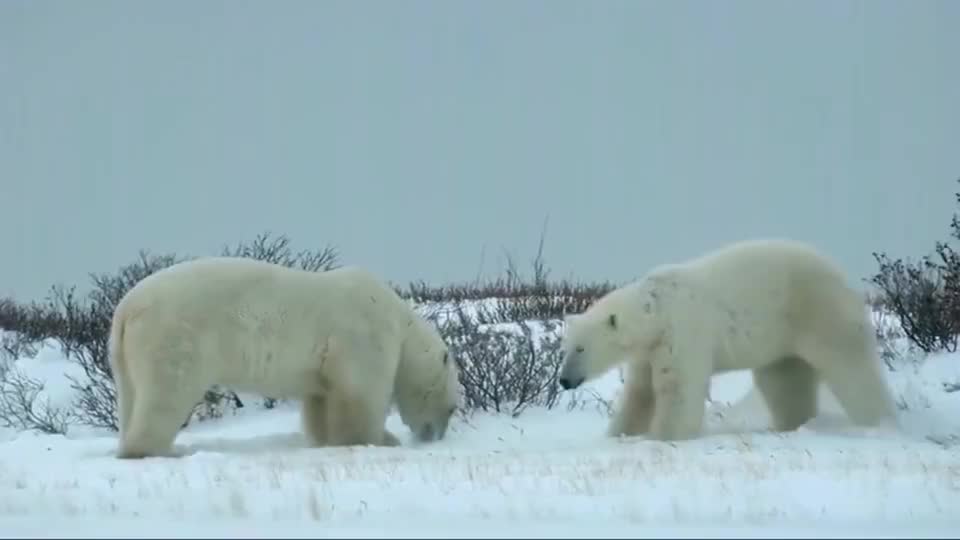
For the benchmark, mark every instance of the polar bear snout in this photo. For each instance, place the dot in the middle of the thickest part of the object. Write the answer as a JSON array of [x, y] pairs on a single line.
[[433, 432], [572, 375], [568, 384], [427, 434], [433, 428]]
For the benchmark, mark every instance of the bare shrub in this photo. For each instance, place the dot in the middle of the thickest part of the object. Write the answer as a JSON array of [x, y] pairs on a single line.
[[508, 367], [216, 402], [277, 250], [514, 297], [925, 295], [888, 335], [504, 368], [505, 335], [23, 327], [917, 294], [13, 346], [21, 407]]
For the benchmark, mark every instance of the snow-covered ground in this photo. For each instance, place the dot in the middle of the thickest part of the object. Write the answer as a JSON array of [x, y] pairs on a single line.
[[544, 474]]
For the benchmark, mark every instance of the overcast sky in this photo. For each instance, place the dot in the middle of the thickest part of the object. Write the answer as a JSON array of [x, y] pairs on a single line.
[[414, 135]]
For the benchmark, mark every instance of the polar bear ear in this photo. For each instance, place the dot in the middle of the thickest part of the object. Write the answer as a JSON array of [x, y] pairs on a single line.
[[612, 321]]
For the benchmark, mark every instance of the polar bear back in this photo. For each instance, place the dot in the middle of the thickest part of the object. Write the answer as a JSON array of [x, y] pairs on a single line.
[[761, 297], [263, 327], [760, 267]]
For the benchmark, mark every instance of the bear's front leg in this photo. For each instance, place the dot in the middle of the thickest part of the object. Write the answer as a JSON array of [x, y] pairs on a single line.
[[636, 408], [358, 418], [324, 425], [680, 390]]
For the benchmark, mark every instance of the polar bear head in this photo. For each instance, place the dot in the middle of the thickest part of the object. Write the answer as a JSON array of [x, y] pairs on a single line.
[[622, 324], [427, 385]]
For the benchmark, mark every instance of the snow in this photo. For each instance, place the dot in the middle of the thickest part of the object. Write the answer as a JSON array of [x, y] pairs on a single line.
[[546, 473]]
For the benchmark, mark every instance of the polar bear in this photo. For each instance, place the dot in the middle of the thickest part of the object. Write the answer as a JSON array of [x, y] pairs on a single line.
[[776, 307], [342, 341]]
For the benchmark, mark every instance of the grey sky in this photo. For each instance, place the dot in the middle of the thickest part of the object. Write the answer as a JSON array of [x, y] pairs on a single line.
[[411, 134]]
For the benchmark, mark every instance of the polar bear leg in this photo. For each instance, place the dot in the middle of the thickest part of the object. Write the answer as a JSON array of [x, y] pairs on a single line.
[[155, 420], [342, 413], [354, 421], [126, 394], [854, 377], [125, 398], [315, 420], [789, 387], [159, 407], [339, 419], [680, 385], [313, 416], [636, 410]]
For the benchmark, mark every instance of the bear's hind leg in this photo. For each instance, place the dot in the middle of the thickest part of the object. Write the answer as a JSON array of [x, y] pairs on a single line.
[[126, 395], [636, 408], [313, 416], [853, 375], [158, 411], [789, 387], [155, 423]]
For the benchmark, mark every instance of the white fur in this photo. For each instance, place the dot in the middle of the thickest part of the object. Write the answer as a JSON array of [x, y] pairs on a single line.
[[342, 341], [776, 307]]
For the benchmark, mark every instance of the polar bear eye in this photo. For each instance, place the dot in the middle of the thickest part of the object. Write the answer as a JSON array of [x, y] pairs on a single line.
[[579, 348], [612, 321], [446, 357]]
